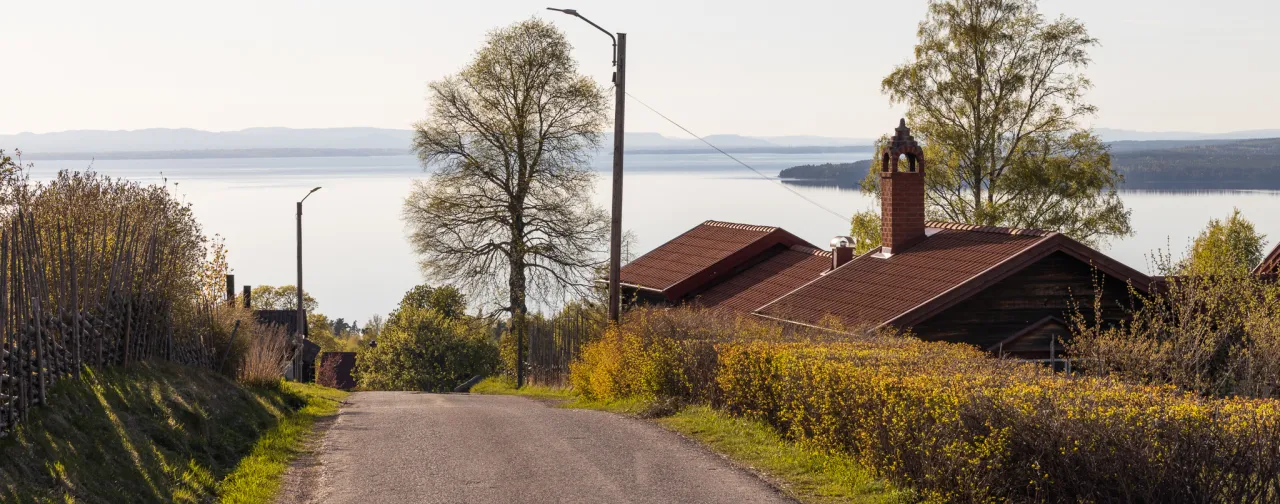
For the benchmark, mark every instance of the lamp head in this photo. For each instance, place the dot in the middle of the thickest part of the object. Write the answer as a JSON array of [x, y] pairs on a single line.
[[570, 12], [314, 190]]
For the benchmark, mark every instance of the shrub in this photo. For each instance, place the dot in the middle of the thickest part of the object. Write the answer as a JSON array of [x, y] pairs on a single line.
[[420, 349], [1216, 335], [954, 423]]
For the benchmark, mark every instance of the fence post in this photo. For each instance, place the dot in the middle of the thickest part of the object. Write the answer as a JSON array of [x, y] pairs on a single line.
[[39, 351]]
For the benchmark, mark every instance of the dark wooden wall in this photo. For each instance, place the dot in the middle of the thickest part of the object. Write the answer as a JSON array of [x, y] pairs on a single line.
[[1016, 303]]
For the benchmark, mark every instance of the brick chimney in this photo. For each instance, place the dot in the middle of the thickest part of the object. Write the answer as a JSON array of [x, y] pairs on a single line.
[[901, 192], [841, 251]]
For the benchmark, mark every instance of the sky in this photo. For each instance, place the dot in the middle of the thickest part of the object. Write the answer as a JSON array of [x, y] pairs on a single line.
[[752, 67]]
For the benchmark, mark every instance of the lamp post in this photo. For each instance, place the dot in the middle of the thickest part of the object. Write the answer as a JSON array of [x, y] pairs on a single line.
[[615, 230], [302, 321]]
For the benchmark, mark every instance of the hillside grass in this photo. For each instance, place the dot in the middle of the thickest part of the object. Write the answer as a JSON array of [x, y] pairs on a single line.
[[158, 433], [804, 473]]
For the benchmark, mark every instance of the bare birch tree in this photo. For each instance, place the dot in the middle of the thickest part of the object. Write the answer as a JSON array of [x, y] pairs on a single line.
[[506, 214]]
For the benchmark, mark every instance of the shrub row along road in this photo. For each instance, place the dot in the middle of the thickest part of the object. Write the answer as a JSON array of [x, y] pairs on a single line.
[[389, 447]]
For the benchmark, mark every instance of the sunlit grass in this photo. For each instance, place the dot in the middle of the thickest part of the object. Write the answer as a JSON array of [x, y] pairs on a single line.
[[147, 433], [258, 476], [808, 475]]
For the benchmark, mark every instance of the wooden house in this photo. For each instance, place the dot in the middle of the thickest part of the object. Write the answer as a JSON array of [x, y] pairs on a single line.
[[1008, 291]]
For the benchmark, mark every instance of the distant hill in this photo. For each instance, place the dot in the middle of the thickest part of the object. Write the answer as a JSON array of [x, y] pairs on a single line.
[[1118, 135], [163, 139], [186, 143], [1244, 164]]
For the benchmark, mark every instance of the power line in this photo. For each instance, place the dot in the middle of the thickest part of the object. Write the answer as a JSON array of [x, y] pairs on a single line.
[[843, 218]]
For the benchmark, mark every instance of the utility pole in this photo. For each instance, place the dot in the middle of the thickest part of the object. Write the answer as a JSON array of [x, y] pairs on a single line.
[[615, 222], [302, 318], [615, 231]]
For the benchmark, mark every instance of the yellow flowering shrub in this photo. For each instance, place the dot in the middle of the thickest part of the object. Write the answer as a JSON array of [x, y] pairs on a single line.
[[948, 420]]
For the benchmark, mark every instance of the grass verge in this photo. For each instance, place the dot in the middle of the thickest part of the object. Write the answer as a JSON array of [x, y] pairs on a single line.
[[258, 476], [146, 433], [808, 475]]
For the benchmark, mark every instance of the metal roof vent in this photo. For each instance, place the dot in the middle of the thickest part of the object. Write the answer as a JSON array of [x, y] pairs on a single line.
[[841, 251]]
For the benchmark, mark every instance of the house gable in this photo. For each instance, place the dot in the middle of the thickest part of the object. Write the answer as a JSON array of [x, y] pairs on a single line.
[[1015, 310]]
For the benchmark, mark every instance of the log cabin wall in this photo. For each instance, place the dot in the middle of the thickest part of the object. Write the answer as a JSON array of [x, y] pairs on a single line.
[[1043, 289]]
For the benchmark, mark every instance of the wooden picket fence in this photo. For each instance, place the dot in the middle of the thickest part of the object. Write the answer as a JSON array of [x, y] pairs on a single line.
[[81, 294], [555, 343]]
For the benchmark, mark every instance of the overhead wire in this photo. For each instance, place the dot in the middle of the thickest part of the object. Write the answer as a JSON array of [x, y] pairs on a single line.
[[838, 215]]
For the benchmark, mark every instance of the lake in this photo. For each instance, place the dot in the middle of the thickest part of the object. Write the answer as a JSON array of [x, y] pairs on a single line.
[[357, 262]]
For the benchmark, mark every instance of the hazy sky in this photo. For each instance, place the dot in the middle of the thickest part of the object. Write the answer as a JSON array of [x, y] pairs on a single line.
[[751, 67]]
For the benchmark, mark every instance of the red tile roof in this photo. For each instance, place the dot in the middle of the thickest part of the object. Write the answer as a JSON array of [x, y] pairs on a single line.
[[770, 279], [1271, 264], [953, 263], [700, 255]]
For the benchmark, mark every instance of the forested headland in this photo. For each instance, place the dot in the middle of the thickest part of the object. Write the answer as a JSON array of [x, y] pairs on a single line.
[[1156, 164]]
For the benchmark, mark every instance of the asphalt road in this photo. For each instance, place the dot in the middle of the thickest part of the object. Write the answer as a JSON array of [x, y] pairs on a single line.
[[387, 447]]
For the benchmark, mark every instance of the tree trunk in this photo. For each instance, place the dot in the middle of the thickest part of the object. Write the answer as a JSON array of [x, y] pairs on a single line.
[[516, 288]]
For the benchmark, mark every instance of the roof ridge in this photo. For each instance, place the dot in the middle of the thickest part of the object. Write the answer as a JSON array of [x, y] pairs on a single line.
[[811, 250], [736, 225], [957, 226]]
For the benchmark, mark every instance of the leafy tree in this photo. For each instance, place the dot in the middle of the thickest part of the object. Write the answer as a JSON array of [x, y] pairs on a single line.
[[372, 328], [1225, 247], [507, 213], [864, 228], [446, 300], [285, 297], [421, 349], [996, 91]]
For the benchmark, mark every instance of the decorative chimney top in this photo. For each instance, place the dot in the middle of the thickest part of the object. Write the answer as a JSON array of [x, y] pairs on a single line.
[[901, 193], [902, 144]]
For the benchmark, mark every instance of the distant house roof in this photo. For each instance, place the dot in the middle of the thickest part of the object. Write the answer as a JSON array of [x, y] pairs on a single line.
[[763, 282], [701, 255], [953, 263], [1270, 265], [286, 318]]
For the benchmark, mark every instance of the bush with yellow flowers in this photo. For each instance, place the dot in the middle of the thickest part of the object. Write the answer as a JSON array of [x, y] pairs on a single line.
[[946, 419]]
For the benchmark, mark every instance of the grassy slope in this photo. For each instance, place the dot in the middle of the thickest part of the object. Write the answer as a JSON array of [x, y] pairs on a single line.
[[807, 475], [151, 433]]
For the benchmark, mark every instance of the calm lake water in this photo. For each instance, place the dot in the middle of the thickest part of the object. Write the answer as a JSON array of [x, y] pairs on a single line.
[[357, 262]]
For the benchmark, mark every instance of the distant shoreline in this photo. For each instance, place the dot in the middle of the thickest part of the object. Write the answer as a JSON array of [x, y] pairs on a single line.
[[310, 152]]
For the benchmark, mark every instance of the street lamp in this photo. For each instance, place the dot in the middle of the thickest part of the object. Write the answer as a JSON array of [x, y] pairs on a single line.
[[620, 92], [302, 321]]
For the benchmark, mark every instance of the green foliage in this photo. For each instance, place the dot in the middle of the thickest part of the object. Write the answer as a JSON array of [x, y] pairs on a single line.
[[1215, 334], [995, 93], [1225, 247], [420, 349], [446, 300], [284, 297], [864, 228], [149, 433]]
